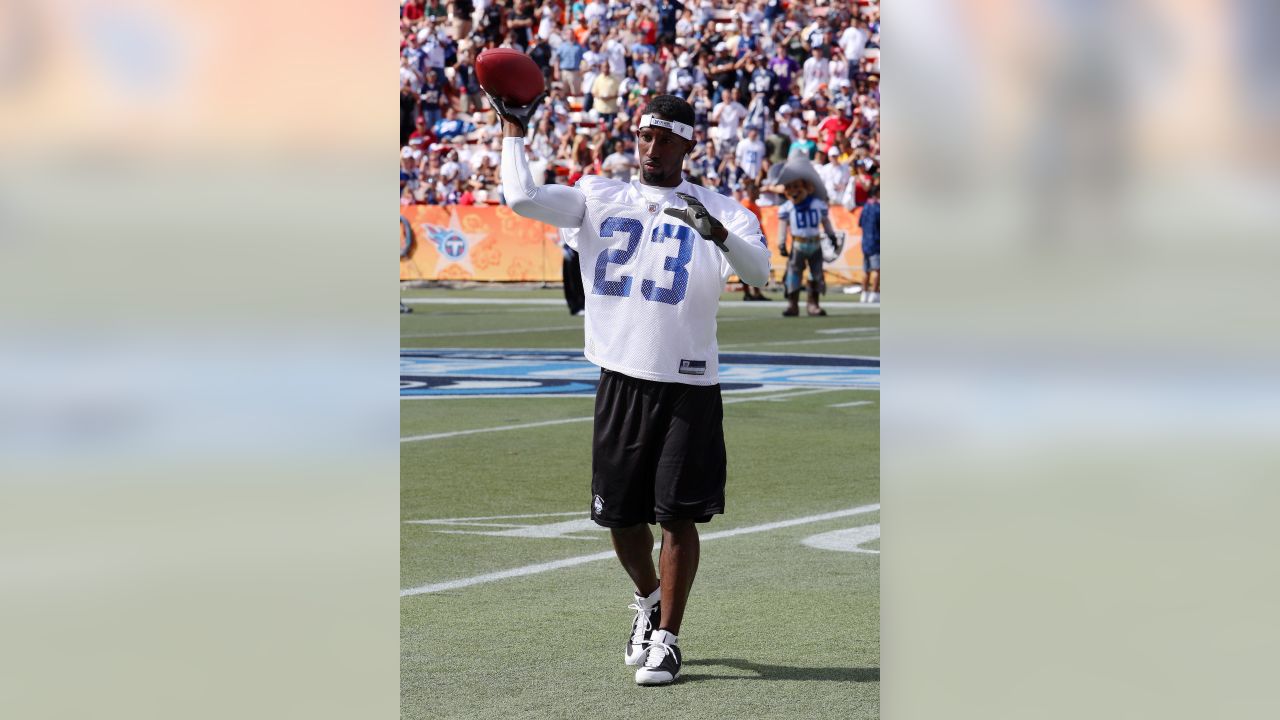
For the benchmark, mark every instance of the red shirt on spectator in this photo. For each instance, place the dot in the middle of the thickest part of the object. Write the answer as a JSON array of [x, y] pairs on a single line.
[[413, 10], [831, 128], [650, 30]]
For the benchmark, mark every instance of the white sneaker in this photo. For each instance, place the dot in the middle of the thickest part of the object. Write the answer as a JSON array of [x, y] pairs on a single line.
[[646, 621], [662, 666], [852, 290]]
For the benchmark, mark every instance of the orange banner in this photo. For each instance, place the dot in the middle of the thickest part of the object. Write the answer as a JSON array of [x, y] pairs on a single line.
[[459, 242]]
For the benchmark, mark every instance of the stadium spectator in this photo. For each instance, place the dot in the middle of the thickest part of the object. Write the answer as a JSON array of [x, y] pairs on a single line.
[[450, 127], [751, 153], [408, 110], [869, 221], [569, 62], [604, 92]]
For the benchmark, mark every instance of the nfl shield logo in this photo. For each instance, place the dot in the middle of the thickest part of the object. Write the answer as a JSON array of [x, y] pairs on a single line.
[[653, 208]]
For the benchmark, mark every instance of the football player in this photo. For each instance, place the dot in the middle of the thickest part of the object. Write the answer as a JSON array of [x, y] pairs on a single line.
[[655, 255]]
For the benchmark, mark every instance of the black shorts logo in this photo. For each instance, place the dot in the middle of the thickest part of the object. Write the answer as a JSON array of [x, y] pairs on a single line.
[[693, 367]]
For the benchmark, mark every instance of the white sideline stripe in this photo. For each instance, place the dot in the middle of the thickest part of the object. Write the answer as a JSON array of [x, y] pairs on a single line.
[[545, 423], [494, 332], [855, 403], [548, 301], [583, 559]]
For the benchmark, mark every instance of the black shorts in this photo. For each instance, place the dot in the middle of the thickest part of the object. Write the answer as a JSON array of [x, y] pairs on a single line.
[[658, 452]]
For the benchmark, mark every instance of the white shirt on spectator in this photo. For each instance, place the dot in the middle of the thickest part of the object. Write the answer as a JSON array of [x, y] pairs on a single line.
[[835, 176], [648, 73], [729, 114], [619, 166], [817, 72], [750, 156], [413, 78], [595, 10], [617, 54], [853, 40], [679, 79], [434, 51], [839, 70]]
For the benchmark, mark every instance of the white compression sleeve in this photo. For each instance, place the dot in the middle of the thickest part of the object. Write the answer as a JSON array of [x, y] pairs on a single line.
[[749, 260], [556, 205]]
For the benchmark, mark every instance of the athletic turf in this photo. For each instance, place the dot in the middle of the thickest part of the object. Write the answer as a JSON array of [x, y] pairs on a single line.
[[774, 629]]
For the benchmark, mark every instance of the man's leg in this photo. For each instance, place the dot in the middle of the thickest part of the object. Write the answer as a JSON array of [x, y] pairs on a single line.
[[679, 562], [634, 547]]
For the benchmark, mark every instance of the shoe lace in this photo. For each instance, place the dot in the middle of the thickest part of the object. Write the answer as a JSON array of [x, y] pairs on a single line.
[[657, 653], [641, 626]]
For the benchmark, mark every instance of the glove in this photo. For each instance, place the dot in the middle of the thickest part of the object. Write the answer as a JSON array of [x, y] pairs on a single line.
[[518, 115], [699, 218], [782, 250]]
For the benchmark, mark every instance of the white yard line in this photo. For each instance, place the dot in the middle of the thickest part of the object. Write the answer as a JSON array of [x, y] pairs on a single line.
[[583, 559], [500, 428], [802, 342], [494, 332], [544, 423], [855, 403], [451, 521]]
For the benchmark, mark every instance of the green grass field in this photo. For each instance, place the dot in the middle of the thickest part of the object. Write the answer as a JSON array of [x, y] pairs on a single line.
[[775, 628]]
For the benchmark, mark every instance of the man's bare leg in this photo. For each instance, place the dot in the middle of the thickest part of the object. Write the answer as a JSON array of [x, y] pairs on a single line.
[[634, 547], [679, 563]]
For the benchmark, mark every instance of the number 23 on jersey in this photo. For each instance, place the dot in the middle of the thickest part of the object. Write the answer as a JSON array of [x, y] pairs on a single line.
[[649, 289]]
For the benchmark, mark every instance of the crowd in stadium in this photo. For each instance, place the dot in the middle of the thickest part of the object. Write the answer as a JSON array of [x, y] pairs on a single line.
[[764, 77]]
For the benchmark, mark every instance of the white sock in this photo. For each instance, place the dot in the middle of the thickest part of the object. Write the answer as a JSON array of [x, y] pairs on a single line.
[[875, 297], [865, 295], [654, 597]]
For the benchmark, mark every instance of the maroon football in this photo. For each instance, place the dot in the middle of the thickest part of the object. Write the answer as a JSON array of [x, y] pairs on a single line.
[[509, 75]]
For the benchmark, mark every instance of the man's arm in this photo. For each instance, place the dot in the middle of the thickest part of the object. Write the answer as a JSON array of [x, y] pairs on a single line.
[[749, 260]]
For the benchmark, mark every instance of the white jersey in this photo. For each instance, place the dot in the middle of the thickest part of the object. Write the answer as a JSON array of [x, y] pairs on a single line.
[[653, 284], [805, 219]]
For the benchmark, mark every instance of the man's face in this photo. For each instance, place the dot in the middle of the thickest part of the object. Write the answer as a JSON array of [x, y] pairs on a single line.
[[661, 156]]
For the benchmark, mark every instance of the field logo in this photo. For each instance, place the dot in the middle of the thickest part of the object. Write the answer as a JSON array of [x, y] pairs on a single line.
[[451, 243], [455, 372]]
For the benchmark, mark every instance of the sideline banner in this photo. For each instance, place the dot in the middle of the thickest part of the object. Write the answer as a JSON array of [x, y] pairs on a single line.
[[491, 243]]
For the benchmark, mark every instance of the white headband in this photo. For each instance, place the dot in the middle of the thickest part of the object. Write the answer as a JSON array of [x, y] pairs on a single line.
[[679, 128]]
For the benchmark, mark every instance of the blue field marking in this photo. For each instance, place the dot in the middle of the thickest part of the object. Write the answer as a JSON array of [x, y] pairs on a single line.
[[440, 373]]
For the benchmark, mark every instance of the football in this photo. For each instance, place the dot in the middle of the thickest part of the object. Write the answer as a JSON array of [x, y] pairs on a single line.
[[509, 75]]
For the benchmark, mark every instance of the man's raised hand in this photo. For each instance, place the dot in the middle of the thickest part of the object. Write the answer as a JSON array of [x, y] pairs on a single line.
[[699, 218], [518, 115]]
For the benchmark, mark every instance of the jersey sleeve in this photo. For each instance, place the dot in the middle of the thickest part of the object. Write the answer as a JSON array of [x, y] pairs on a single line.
[[750, 260], [556, 205]]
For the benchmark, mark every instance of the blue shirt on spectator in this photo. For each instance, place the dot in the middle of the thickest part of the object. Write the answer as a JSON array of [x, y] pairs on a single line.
[[869, 221], [446, 128], [570, 55]]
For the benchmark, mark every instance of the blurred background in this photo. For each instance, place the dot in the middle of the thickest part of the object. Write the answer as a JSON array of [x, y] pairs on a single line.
[[197, 414]]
